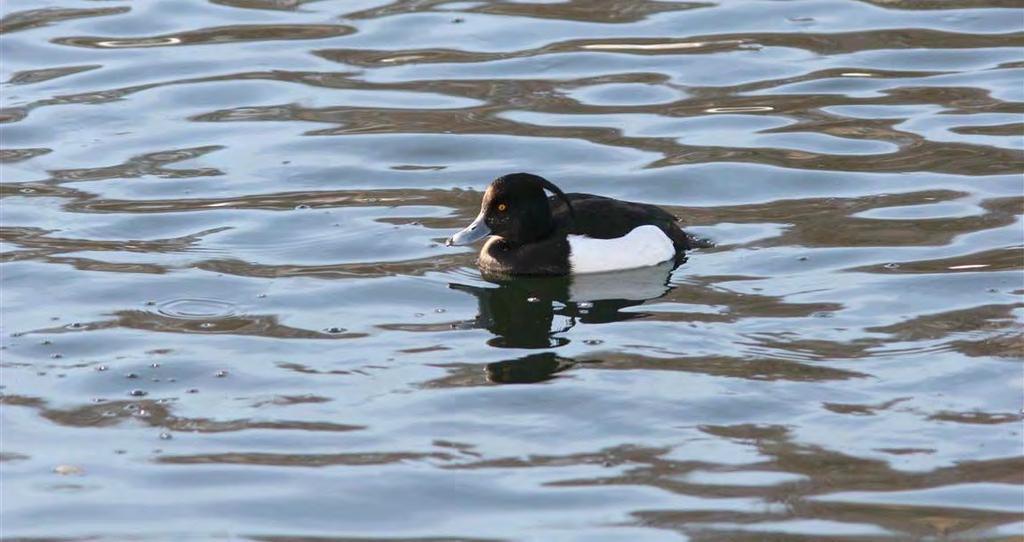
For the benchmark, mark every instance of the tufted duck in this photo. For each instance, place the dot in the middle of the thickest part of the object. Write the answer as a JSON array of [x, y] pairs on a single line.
[[532, 234]]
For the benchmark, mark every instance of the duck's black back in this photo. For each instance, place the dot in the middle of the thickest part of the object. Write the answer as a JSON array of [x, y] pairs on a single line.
[[605, 218]]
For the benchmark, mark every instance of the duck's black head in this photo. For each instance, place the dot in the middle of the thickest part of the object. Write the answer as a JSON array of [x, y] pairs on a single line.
[[514, 208]]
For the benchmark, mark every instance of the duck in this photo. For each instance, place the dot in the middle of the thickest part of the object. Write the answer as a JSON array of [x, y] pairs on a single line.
[[530, 233]]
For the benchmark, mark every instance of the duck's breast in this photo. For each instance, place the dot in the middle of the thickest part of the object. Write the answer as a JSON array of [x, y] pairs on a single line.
[[641, 247]]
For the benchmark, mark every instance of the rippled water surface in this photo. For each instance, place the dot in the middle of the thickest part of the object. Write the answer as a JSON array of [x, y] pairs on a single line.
[[228, 312]]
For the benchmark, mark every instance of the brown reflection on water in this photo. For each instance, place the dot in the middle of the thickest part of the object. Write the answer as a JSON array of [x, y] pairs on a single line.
[[25, 20], [611, 11], [340, 271], [301, 460], [250, 324], [29, 77], [288, 201], [536, 368], [9, 156], [224, 34], [41, 243], [158, 414]]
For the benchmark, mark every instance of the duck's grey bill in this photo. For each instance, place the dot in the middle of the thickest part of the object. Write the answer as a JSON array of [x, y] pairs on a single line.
[[473, 233]]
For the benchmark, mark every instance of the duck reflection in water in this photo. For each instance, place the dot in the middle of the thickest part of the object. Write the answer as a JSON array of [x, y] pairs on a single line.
[[536, 312], [528, 369]]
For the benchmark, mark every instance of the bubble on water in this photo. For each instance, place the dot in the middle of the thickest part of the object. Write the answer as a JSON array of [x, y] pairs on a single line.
[[584, 311], [102, 368], [142, 413], [139, 42], [335, 330], [439, 311], [207, 325], [165, 436], [220, 374], [261, 296], [26, 190], [56, 356], [131, 375], [67, 470], [891, 266], [138, 393], [585, 305], [192, 390], [301, 207], [197, 309], [46, 343], [150, 303], [532, 299], [154, 365], [75, 325], [593, 342], [740, 109]]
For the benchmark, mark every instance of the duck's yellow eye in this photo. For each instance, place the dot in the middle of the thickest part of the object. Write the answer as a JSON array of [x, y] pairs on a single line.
[[502, 206]]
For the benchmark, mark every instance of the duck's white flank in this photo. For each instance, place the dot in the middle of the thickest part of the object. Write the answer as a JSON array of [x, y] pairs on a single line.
[[644, 246]]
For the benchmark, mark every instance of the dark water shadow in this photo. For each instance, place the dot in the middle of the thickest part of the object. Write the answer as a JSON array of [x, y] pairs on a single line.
[[535, 312], [528, 369]]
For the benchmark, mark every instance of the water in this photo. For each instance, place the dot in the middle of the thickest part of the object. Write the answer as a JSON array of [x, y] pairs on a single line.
[[242, 204]]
